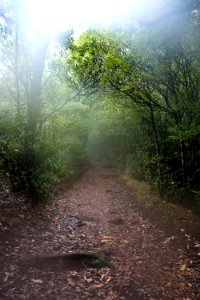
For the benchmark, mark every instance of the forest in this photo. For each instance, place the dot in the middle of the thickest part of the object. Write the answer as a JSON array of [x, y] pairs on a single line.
[[128, 93], [100, 149]]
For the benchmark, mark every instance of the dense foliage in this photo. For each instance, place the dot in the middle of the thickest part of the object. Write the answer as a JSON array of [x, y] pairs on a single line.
[[43, 136], [140, 83], [154, 71]]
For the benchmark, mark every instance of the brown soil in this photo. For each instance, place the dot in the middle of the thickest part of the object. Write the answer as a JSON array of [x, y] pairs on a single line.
[[99, 240]]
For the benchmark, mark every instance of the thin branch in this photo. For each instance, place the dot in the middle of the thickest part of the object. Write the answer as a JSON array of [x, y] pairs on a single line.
[[62, 105]]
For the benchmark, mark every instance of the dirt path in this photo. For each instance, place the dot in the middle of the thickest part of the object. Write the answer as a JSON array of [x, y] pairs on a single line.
[[136, 259]]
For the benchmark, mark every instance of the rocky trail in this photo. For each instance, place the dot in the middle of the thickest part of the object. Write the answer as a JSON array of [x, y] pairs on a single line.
[[98, 241]]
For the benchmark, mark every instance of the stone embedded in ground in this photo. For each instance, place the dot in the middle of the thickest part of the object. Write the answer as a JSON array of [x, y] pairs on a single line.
[[84, 218], [71, 262], [118, 221], [80, 224]]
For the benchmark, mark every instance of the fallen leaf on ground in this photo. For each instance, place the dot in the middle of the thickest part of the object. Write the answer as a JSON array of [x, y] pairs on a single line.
[[183, 267], [168, 284], [88, 280], [37, 280], [108, 279], [180, 285], [71, 282], [171, 238]]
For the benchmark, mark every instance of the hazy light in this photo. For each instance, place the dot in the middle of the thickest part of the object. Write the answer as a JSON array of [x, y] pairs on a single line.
[[59, 14], [46, 16]]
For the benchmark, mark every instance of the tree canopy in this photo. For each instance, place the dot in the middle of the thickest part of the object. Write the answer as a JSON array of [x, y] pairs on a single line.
[[155, 72]]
